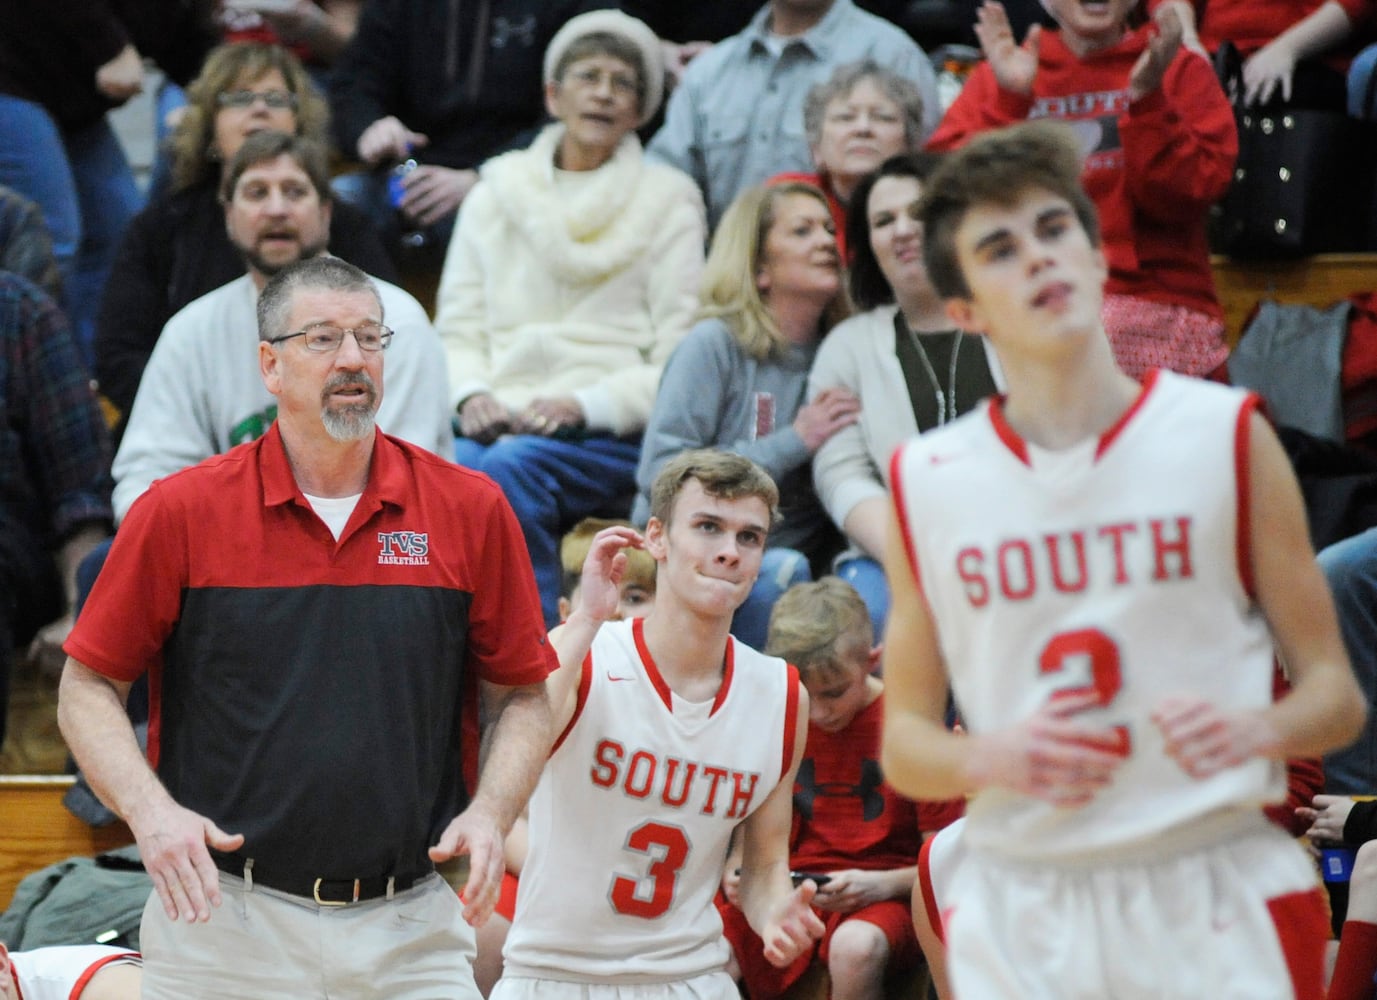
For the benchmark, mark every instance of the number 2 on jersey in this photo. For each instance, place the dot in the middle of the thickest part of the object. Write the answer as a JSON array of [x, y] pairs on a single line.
[[668, 846], [1102, 656]]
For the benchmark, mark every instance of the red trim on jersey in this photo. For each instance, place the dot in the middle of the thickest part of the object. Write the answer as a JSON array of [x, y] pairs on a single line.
[[1109, 436], [648, 661], [85, 979], [1302, 925], [728, 671], [580, 700], [790, 719], [1243, 543], [14, 978], [896, 483], [1006, 433], [930, 907]]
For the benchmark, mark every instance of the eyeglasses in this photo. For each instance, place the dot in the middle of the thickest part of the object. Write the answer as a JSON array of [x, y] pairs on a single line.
[[276, 99], [590, 79], [326, 338]]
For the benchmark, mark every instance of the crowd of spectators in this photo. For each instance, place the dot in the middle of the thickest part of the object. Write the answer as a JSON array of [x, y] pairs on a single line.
[[644, 228]]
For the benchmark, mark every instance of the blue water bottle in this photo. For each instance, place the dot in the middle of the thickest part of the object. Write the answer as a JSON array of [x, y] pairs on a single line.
[[411, 238]]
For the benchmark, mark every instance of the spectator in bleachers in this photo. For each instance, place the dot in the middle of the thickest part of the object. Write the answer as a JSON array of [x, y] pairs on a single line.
[[771, 291], [901, 358], [54, 479], [1160, 143], [63, 65], [687, 30], [852, 833], [448, 85], [176, 249], [737, 118], [1350, 567], [572, 275], [26, 249], [315, 31], [78, 972], [1293, 50], [202, 394], [856, 119]]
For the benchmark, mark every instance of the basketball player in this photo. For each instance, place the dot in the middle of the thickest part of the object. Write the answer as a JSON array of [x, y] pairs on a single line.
[[74, 972], [1098, 569], [671, 735]]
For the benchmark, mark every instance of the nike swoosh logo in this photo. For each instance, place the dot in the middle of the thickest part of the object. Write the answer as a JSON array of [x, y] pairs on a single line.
[[612, 678]]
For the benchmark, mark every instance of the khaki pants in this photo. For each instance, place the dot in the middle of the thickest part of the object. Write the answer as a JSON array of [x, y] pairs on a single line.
[[262, 943]]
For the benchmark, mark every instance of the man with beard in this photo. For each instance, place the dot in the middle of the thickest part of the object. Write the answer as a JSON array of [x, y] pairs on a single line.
[[201, 393], [308, 608]]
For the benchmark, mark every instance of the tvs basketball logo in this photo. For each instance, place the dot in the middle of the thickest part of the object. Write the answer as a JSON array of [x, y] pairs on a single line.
[[404, 548]]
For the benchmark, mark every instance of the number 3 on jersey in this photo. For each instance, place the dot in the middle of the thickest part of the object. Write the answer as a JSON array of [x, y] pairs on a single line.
[[668, 848], [1089, 646]]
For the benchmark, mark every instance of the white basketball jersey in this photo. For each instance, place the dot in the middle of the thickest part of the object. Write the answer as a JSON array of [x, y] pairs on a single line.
[[62, 973], [1118, 566], [631, 819]]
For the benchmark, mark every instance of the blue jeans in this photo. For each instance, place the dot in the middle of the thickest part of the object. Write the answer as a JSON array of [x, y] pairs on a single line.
[[780, 569], [81, 181], [1351, 568], [868, 577], [1360, 73], [552, 484]]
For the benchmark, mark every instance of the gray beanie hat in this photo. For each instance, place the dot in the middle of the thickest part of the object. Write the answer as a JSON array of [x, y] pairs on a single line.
[[614, 22]]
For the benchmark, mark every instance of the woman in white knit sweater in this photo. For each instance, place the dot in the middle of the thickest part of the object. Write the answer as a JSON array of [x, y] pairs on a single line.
[[572, 275]]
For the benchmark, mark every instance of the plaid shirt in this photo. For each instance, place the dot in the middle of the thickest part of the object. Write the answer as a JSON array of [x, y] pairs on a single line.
[[54, 445]]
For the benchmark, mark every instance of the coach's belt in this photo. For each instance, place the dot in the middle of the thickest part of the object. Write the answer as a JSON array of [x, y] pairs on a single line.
[[325, 891]]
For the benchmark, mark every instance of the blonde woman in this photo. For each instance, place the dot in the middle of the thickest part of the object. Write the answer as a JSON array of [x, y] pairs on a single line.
[[772, 288]]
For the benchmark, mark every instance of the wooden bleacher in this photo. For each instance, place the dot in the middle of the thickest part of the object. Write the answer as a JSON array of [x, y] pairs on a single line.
[[1320, 280], [37, 830]]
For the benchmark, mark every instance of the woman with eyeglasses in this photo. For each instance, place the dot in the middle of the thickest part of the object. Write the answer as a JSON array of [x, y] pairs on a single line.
[[857, 118], [572, 273], [176, 249]]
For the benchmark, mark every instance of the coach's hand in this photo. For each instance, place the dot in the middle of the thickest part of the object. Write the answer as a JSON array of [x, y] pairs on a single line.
[[172, 843], [474, 832]]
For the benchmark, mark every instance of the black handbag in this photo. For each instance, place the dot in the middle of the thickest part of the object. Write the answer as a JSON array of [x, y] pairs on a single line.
[[1302, 183]]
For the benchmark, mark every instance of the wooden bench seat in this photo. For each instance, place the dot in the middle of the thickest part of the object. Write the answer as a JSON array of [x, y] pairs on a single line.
[[37, 830]]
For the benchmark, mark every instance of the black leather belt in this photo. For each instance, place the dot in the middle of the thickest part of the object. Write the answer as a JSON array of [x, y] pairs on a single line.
[[324, 891]]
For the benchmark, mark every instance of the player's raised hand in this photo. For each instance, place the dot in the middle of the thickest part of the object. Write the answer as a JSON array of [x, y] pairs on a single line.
[[599, 595], [475, 833], [1051, 756], [1205, 740], [793, 927], [1015, 66]]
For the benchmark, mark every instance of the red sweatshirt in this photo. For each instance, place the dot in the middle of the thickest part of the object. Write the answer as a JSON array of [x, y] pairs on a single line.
[[1154, 167], [1251, 24]]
